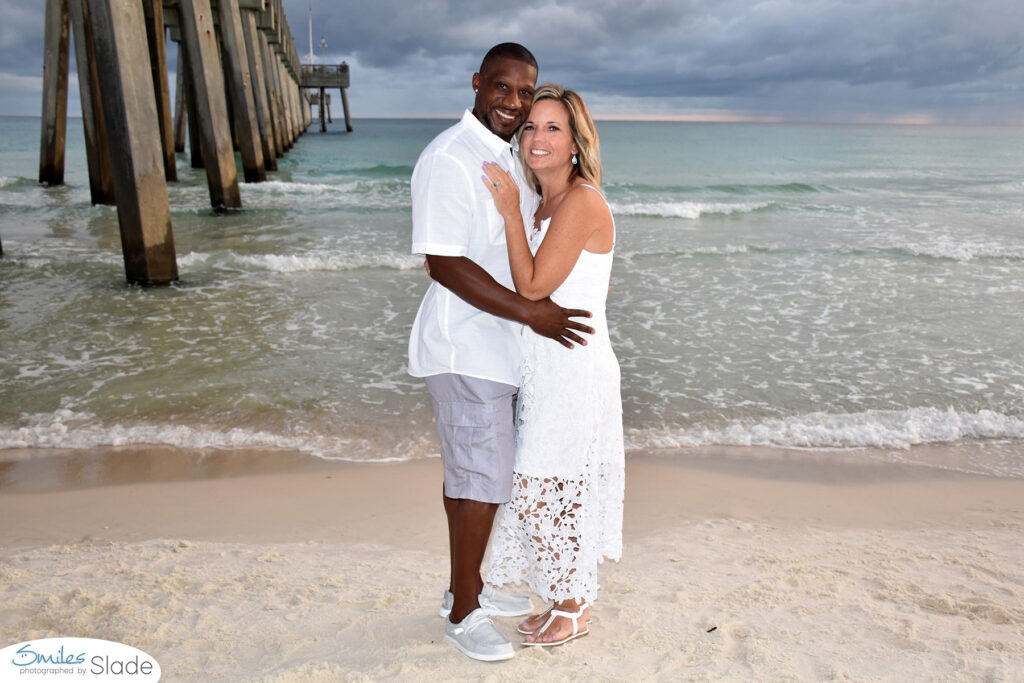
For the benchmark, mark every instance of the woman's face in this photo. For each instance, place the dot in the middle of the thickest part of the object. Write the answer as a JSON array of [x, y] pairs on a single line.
[[547, 138]]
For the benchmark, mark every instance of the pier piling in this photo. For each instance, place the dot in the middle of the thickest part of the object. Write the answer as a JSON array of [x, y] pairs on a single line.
[[97, 151], [137, 160], [344, 105], [179, 104], [269, 80], [195, 148], [286, 106], [55, 92], [321, 113], [207, 92], [259, 87], [239, 81], [156, 36]]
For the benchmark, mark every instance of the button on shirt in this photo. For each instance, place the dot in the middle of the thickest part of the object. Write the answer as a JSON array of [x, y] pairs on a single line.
[[453, 214]]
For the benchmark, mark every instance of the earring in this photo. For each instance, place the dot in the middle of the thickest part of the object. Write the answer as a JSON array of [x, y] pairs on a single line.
[[574, 162]]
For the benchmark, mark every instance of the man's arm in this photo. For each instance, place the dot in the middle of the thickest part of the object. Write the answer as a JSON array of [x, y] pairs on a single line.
[[476, 286]]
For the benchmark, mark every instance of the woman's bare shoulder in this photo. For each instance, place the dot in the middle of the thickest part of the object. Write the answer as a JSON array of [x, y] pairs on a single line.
[[584, 201]]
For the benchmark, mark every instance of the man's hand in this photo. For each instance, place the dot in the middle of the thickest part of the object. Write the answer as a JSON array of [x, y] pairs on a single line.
[[475, 285], [550, 320]]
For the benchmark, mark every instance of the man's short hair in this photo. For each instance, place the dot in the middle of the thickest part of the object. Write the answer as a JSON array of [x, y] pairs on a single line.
[[509, 51]]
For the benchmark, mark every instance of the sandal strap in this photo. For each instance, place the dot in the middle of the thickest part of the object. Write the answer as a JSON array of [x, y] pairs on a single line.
[[573, 616]]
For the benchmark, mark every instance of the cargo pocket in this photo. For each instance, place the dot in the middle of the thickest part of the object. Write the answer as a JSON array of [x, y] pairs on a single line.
[[469, 432]]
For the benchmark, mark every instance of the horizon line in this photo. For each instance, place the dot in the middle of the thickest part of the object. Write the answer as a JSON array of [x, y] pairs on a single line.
[[912, 120]]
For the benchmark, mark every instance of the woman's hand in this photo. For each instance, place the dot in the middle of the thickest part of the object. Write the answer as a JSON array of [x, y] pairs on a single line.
[[503, 189]]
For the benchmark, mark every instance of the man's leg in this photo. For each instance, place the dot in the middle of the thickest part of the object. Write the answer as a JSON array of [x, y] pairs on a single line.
[[450, 507], [474, 422], [451, 511], [473, 520]]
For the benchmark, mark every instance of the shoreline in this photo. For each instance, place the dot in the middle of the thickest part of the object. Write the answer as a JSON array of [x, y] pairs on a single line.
[[297, 570], [39, 469], [131, 494]]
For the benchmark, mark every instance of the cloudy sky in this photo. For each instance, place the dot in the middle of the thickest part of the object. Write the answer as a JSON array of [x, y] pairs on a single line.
[[914, 61]]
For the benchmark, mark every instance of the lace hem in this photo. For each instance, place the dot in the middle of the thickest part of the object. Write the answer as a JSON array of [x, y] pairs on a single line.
[[554, 532]]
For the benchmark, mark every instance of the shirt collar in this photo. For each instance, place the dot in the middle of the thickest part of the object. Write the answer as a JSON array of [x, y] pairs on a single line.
[[493, 142]]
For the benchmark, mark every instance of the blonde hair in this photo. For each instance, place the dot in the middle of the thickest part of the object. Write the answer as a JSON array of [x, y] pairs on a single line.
[[584, 135]]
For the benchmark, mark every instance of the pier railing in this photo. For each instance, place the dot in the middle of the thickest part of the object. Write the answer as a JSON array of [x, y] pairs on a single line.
[[324, 76]]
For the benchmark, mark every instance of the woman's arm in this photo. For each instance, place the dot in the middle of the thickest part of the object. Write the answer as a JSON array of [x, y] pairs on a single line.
[[580, 215], [506, 198]]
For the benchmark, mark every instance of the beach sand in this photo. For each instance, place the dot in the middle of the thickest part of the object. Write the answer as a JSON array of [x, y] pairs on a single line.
[[739, 564]]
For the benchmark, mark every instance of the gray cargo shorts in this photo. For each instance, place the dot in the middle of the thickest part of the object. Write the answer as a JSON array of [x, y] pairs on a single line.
[[475, 425]]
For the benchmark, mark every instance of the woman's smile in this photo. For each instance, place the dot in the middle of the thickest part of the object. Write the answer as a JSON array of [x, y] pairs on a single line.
[[547, 135]]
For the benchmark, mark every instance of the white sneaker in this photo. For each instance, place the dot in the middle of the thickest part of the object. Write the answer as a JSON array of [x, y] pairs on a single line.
[[493, 602], [477, 637]]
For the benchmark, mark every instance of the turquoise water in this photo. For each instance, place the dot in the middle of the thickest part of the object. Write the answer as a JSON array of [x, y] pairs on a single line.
[[826, 287]]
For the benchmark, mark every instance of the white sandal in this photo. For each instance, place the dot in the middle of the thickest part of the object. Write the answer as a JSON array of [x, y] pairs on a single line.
[[519, 626], [576, 632]]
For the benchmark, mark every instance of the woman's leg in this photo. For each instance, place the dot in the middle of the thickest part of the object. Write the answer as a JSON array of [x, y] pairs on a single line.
[[549, 512]]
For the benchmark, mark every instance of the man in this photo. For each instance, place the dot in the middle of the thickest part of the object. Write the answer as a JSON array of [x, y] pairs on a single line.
[[465, 338]]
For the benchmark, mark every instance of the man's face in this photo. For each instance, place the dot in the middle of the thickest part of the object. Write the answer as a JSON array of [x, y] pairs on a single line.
[[504, 93]]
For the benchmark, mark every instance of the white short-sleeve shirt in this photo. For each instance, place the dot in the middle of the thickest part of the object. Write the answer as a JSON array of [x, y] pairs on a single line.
[[453, 214]]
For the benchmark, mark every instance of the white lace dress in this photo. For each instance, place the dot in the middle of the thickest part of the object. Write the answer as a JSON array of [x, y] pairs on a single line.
[[565, 515]]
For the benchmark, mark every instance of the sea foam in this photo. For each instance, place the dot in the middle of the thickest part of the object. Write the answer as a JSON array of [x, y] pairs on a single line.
[[690, 210], [870, 429], [68, 429], [379, 193], [298, 263], [954, 251]]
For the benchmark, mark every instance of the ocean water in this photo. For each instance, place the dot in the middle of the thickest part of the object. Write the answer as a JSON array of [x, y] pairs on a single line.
[[857, 289]]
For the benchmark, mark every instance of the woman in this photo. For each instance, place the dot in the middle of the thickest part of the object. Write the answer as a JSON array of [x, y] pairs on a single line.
[[565, 515]]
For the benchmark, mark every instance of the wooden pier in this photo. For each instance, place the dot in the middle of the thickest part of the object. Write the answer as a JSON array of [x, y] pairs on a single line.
[[238, 87], [320, 78]]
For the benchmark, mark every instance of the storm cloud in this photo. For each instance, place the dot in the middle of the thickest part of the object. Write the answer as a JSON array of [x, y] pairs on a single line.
[[828, 60]]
